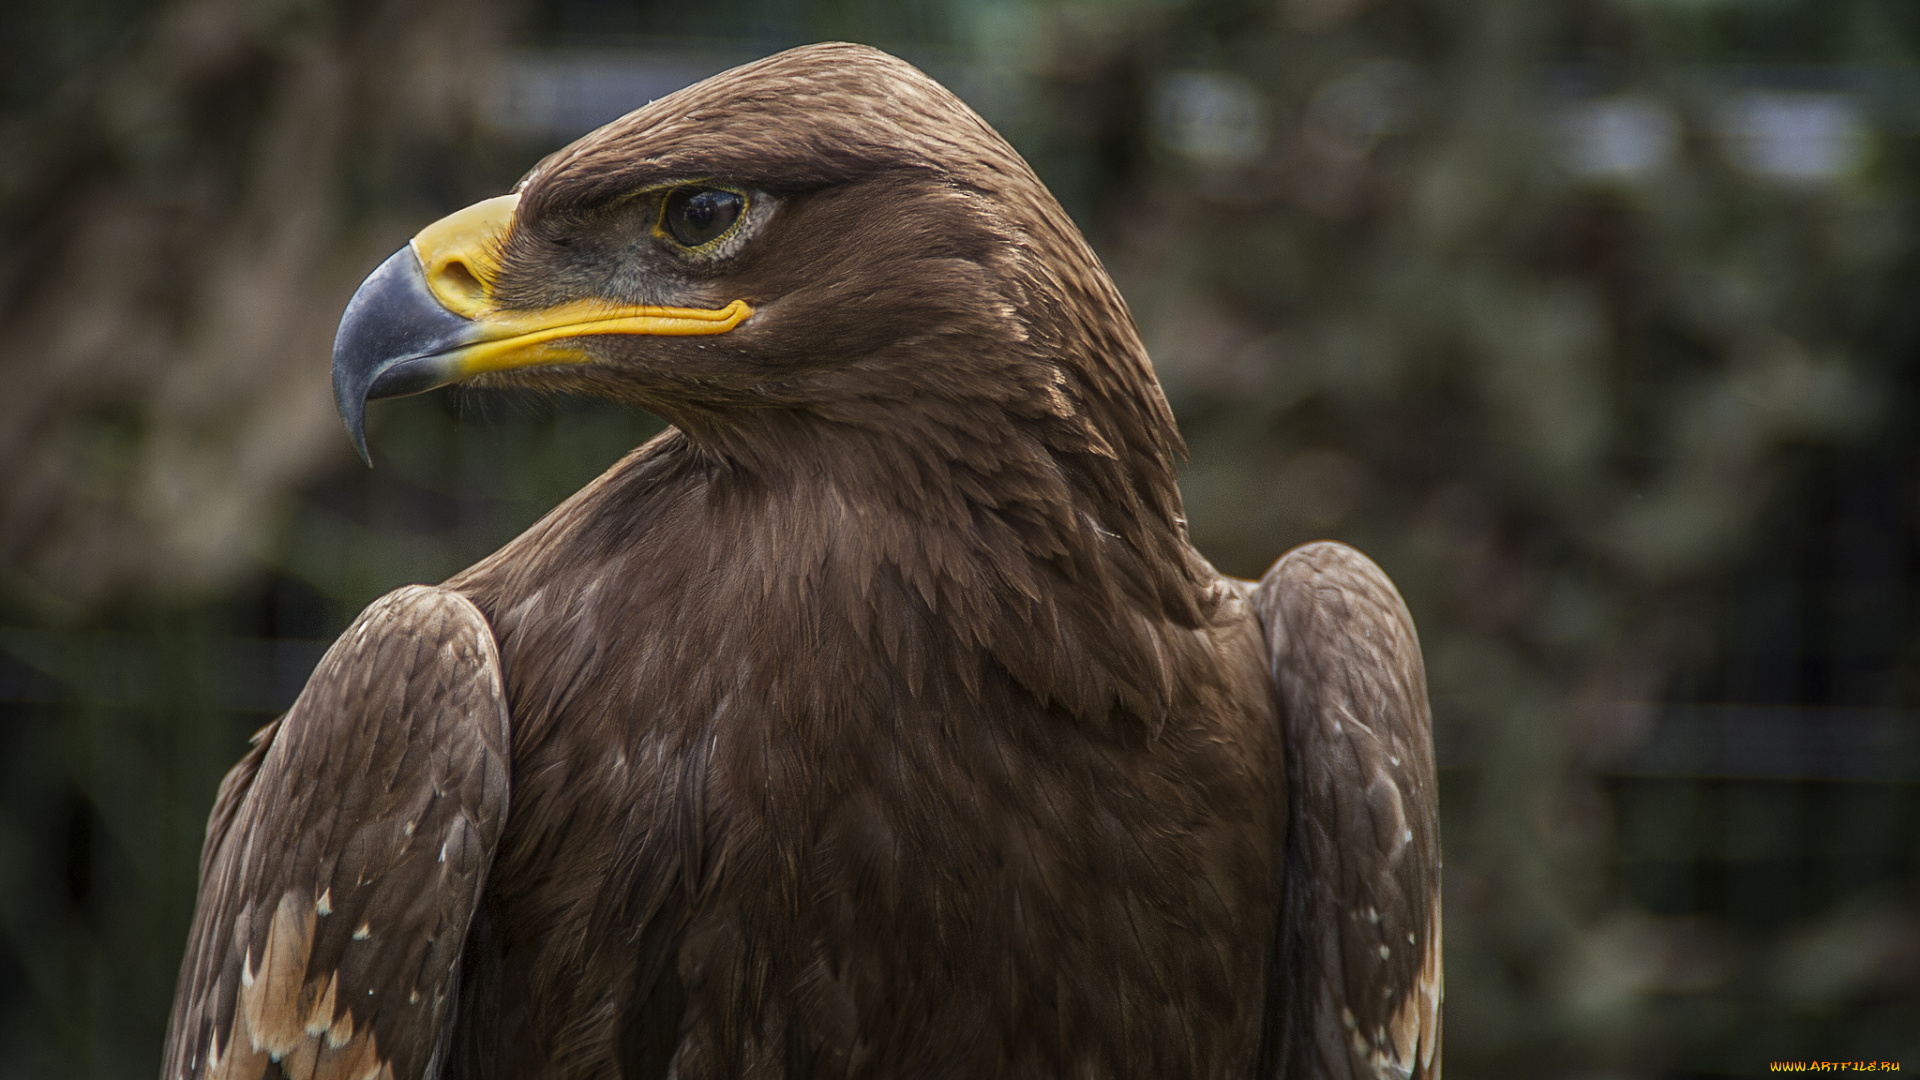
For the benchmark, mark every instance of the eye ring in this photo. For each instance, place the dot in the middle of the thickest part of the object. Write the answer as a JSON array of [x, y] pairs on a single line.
[[696, 217]]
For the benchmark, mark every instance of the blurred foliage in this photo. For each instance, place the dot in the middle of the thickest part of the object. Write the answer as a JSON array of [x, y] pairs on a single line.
[[1594, 415], [1553, 405], [189, 193]]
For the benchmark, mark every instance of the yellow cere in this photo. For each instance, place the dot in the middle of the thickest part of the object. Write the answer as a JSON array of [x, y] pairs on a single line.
[[458, 251]]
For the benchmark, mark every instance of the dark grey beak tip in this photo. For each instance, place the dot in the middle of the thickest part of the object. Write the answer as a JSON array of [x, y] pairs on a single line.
[[350, 401], [393, 340]]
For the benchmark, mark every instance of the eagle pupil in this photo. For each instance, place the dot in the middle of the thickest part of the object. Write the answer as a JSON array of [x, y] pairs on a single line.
[[698, 215]]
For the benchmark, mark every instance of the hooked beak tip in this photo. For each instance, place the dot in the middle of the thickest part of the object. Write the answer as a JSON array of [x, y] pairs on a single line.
[[392, 341]]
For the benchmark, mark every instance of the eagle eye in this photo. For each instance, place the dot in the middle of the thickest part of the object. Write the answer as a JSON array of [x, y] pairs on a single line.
[[696, 216]]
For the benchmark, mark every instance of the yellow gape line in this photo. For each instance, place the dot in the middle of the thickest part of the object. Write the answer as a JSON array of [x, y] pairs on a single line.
[[531, 335], [459, 256]]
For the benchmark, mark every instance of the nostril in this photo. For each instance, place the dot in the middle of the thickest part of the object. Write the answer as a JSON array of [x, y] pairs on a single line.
[[456, 277]]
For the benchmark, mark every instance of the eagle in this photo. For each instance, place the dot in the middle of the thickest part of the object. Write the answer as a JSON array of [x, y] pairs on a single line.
[[876, 719]]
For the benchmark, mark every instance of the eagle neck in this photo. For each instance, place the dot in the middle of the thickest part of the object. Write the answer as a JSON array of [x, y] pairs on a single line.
[[1018, 544]]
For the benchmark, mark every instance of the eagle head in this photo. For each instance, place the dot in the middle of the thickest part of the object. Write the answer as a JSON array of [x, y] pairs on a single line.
[[827, 233]]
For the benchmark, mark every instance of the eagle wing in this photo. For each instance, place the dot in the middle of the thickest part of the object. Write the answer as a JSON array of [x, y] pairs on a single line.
[[1358, 972], [345, 857]]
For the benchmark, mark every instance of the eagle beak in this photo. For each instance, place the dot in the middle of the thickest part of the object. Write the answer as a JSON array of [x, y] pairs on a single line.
[[427, 318]]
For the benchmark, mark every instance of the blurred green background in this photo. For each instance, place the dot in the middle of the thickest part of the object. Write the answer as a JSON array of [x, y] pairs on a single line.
[[1593, 321]]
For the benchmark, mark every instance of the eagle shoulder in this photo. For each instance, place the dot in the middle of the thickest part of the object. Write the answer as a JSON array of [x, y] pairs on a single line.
[[1360, 959], [345, 857]]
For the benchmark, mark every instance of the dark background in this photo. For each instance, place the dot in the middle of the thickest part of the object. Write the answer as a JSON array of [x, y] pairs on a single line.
[[1593, 322]]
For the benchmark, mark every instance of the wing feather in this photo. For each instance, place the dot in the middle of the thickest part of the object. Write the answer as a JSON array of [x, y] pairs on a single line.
[[1360, 972], [345, 857]]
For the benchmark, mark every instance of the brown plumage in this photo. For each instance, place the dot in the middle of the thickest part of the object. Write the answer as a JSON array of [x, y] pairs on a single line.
[[877, 719]]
